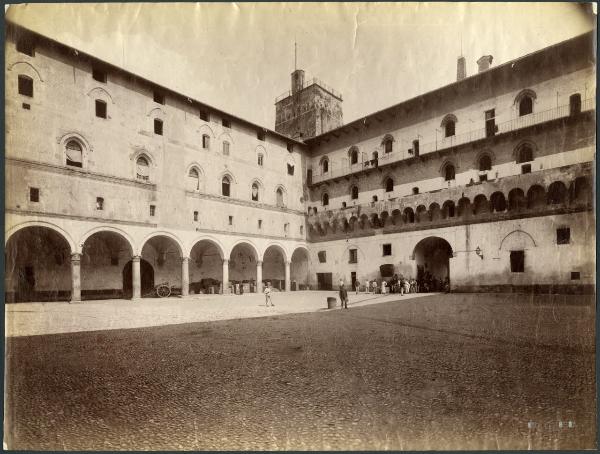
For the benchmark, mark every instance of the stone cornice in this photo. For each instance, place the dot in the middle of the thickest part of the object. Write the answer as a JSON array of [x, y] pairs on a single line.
[[43, 214], [253, 235], [247, 203], [80, 173]]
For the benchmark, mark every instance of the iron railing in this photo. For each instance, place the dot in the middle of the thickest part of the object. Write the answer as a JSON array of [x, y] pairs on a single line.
[[308, 83], [526, 121]]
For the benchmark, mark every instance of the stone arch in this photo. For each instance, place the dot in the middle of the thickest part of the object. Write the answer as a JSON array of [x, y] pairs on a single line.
[[516, 200], [277, 246], [520, 150], [103, 92], [435, 212], [224, 136], [536, 197], [523, 235], [498, 202], [482, 156], [353, 151], [66, 148], [345, 254], [26, 63], [463, 207], [206, 129], [448, 209], [261, 189], [447, 118], [480, 205], [432, 256], [201, 177], [580, 190], [59, 230], [526, 92], [182, 249], [421, 214], [215, 242], [249, 243], [284, 196], [63, 139], [157, 112], [408, 215], [446, 164], [557, 193], [108, 228]]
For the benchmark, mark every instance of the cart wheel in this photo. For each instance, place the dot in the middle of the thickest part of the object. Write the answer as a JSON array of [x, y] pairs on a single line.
[[163, 291]]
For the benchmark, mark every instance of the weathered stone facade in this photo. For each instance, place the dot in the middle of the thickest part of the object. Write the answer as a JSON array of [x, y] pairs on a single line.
[[116, 183]]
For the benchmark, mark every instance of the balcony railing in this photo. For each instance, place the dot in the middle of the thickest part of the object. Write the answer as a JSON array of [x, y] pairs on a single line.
[[336, 171]]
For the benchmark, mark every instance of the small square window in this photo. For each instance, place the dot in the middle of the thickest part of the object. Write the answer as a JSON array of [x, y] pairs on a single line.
[[159, 97], [114, 261], [563, 235], [259, 224], [152, 210], [353, 256], [575, 275], [26, 106], [517, 261], [322, 256], [526, 168], [483, 177], [195, 216], [230, 220], [25, 86], [226, 123], [415, 190], [26, 46], [290, 169], [204, 115], [99, 75], [158, 127], [387, 249], [99, 203], [260, 134], [100, 108], [34, 194]]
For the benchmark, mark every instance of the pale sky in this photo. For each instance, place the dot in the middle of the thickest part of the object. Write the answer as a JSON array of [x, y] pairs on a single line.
[[238, 56]]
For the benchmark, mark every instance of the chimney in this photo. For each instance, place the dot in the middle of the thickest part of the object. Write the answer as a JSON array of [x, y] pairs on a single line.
[[461, 68], [297, 81], [484, 62]]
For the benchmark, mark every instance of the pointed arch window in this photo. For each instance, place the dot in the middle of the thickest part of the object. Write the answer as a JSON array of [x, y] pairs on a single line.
[[226, 186], [388, 144], [279, 197], [261, 159], [353, 155], [389, 185], [325, 199], [525, 106], [74, 153], [325, 165], [485, 163], [525, 154], [354, 193], [255, 192], [142, 168], [194, 179], [449, 172]]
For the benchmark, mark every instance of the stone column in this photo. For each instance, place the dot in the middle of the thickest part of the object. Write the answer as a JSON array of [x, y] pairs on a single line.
[[225, 284], [259, 284], [136, 283], [75, 277], [288, 284], [185, 276]]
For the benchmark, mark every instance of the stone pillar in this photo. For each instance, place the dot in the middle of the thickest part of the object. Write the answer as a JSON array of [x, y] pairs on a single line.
[[288, 284], [75, 277], [259, 284], [136, 283], [185, 276], [225, 284]]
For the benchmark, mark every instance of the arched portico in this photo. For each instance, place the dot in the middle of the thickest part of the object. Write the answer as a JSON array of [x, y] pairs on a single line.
[[432, 256], [299, 269], [276, 267], [41, 265], [206, 266], [164, 252], [240, 272]]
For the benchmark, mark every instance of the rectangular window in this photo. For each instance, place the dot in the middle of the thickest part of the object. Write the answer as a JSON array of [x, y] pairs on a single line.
[[230, 220], [290, 147], [226, 148], [483, 178], [205, 142], [260, 134], [100, 108], [387, 249], [301, 230], [526, 168], [152, 210], [195, 216], [226, 123], [159, 97], [322, 256], [34, 194], [286, 228], [517, 261], [204, 115], [259, 224], [26, 106], [416, 147], [99, 75], [158, 127], [260, 160], [114, 261], [26, 46], [415, 190], [99, 203], [290, 168], [575, 275], [25, 86], [353, 256], [563, 235]]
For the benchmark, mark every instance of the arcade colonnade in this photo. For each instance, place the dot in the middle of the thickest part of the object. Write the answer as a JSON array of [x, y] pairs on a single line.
[[57, 261]]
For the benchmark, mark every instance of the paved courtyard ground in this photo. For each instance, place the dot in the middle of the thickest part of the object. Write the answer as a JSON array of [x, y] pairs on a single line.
[[435, 372]]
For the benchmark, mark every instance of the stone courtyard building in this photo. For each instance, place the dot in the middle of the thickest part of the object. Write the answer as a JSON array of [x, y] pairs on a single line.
[[115, 183]]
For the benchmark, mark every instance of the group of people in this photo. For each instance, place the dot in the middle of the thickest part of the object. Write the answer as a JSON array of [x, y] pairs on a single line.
[[402, 285]]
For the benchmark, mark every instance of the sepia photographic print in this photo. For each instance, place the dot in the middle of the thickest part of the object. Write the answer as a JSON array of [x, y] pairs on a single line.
[[300, 226]]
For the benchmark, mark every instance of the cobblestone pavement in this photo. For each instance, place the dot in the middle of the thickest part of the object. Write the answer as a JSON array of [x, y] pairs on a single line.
[[28, 319], [438, 372]]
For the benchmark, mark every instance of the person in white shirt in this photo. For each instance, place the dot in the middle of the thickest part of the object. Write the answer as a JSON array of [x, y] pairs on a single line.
[[268, 295]]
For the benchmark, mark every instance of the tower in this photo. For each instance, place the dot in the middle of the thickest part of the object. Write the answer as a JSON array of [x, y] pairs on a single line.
[[310, 108]]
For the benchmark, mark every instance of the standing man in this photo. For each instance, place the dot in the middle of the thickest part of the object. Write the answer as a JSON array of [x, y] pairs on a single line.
[[268, 295], [357, 286], [343, 296]]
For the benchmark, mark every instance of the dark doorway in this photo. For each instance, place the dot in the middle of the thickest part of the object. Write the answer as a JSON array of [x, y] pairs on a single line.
[[353, 278], [324, 281], [146, 275], [433, 263], [490, 123], [26, 284]]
